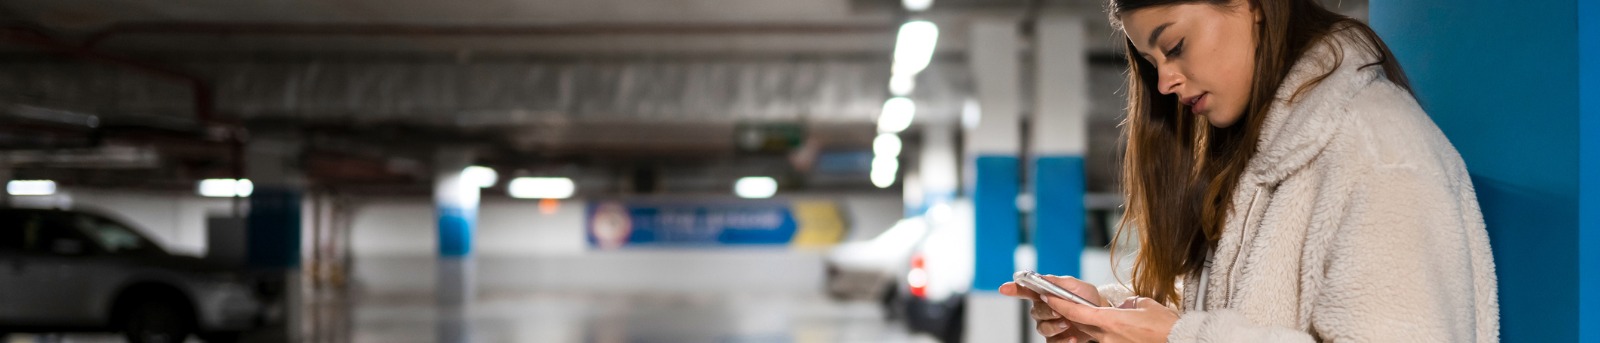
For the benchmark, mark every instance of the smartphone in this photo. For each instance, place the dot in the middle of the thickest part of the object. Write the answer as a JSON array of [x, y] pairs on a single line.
[[1038, 284]]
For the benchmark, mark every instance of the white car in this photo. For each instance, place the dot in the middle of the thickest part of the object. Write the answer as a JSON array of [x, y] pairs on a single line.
[[76, 271], [870, 269]]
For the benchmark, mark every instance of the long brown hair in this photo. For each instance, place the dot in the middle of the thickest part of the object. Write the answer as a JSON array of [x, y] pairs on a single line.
[[1179, 172]]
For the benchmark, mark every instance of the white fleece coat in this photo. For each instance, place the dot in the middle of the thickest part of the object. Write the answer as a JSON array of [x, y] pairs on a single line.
[[1354, 222]]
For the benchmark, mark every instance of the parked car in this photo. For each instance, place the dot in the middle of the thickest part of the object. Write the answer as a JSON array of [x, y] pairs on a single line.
[[68, 271], [869, 270]]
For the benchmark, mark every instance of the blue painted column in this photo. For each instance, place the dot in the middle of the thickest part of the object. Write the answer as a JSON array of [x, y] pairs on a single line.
[[1059, 141], [1512, 85], [272, 230], [273, 225], [993, 147], [455, 202]]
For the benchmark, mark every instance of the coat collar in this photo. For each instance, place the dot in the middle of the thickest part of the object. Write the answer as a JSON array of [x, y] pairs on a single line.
[[1296, 131]]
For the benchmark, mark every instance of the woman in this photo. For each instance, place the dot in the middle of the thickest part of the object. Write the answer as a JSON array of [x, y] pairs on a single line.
[[1285, 186]]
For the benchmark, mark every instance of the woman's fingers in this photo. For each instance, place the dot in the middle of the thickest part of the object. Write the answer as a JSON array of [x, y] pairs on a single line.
[[1051, 328], [1042, 312], [1012, 289], [1077, 313]]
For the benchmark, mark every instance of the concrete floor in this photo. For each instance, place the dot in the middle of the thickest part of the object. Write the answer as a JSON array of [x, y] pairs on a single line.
[[588, 318]]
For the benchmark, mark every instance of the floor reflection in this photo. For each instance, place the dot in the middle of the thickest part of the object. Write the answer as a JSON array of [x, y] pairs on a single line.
[[581, 318]]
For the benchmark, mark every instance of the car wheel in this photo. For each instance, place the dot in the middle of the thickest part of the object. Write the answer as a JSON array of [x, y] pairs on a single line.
[[157, 322], [954, 326], [890, 302]]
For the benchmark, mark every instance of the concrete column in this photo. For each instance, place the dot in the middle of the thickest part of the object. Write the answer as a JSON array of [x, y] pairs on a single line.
[[5, 180], [1059, 142], [937, 166], [272, 228], [456, 205], [991, 317]]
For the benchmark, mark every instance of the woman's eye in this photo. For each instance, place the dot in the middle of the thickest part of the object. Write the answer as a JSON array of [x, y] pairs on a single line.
[[1176, 49]]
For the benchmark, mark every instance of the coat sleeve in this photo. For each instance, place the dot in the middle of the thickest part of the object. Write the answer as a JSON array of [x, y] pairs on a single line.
[[1395, 268]]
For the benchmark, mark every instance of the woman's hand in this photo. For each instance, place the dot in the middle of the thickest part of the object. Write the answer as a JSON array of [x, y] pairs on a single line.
[[1138, 319], [1052, 325]]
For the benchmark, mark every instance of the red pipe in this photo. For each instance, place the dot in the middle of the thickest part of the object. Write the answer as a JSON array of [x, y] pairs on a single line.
[[278, 29], [204, 98], [205, 105]]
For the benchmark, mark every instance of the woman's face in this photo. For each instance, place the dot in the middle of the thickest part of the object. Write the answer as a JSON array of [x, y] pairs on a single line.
[[1203, 53]]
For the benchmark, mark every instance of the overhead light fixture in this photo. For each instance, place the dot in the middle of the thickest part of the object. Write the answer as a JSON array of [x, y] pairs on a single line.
[[917, 5], [542, 188], [914, 46], [483, 177], [902, 84], [226, 188], [897, 115], [31, 187], [884, 170], [755, 187], [887, 144]]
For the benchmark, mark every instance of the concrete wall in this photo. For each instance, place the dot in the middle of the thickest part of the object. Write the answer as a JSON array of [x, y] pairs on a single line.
[[517, 248], [520, 249]]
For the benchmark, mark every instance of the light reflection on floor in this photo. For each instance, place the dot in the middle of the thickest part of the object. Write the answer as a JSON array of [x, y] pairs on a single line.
[[588, 318]]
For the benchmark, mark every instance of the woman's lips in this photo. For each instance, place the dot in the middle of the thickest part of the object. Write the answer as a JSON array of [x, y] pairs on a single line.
[[1201, 103]]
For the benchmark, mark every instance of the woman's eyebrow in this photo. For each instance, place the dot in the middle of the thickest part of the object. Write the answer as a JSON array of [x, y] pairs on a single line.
[[1157, 33]]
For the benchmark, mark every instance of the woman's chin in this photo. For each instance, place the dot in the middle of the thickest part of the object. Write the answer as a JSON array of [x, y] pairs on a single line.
[[1220, 122]]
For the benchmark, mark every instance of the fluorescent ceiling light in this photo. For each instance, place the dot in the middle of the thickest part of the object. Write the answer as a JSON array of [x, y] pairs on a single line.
[[755, 187], [31, 187], [913, 47], [897, 115], [226, 188], [483, 177], [887, 144], [884, 169], [542, 188], [902, 84], [917, 5]]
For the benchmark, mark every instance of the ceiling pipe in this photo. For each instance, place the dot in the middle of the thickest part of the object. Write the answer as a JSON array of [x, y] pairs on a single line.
[[204, 99], [336, 29]]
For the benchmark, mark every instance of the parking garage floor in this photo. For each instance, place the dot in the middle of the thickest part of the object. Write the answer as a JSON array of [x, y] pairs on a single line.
[[586, 318]]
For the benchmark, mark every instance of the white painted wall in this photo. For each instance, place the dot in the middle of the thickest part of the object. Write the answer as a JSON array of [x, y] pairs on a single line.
[[517, 248]]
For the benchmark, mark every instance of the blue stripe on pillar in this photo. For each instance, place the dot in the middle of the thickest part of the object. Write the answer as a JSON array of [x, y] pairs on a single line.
[[1058, 214], [273, 229], [994, 202], [455, 231]]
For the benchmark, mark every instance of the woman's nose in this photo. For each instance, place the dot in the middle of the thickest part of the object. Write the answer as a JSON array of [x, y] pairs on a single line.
[[1168, 81]]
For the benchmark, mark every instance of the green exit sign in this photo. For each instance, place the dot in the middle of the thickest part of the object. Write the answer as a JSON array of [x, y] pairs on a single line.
[[768, 137]]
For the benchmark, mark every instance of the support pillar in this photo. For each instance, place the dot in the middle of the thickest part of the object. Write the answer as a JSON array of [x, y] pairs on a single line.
[[993, 146], [1059, 140]]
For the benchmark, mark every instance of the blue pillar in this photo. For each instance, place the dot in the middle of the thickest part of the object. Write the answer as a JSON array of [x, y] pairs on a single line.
[[1059, 138], [456, 208], [273, 225], [1502, 79], [998, 224], [1058, 216], [272, 230], [993, 147]]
